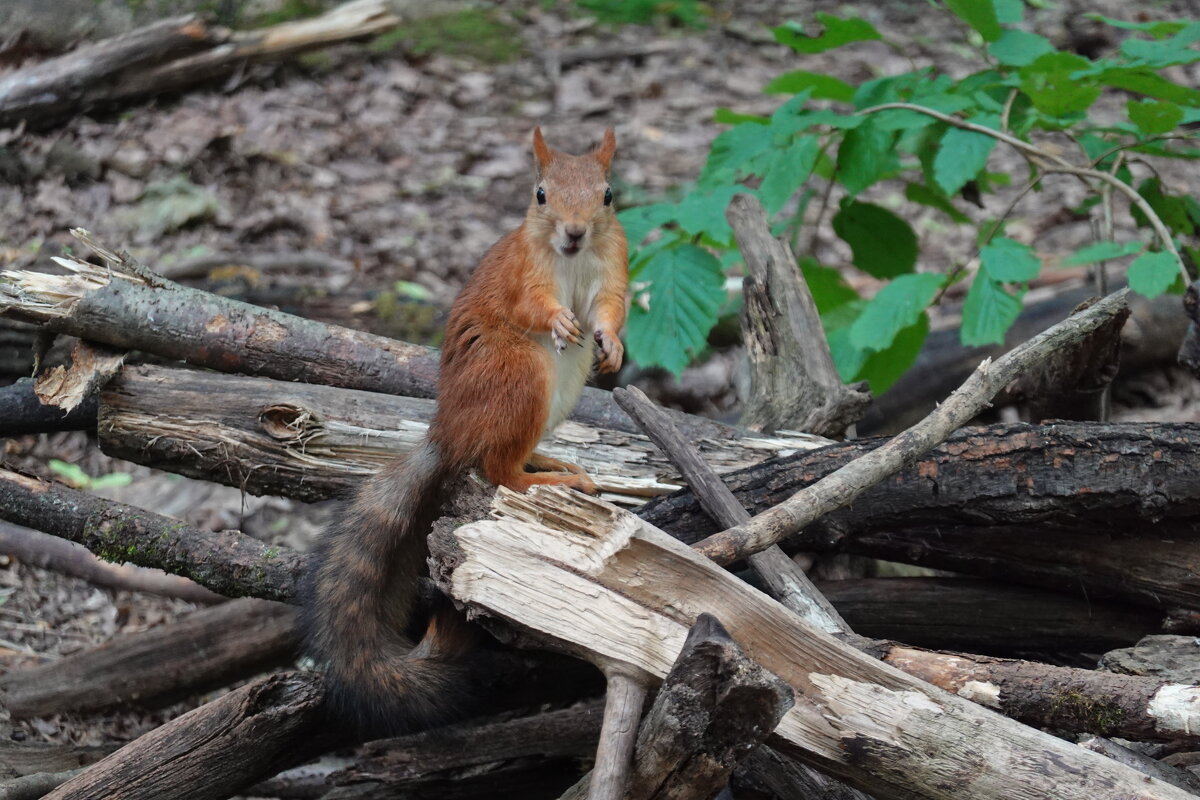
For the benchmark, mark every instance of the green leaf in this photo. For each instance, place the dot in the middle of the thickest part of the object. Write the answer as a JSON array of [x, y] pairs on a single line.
[[70, 473], [728, 116], [1018, 48], [883, 369], [920, 193], [828, 288], [988, 312], [1009, 261], [1171, 209], [1010, 12], [894, 308], [1151, 274], [112, 480], [411, 290], [1149, 84], [1165, 52], [704, 213], [837, 32], [639, 221], [823, 87], [686, 292], [1158, 29], [733, 152], [1101, 251], [980, 15], [1052, 85], [789, 168], [1154, 117], [865, 156], [961, 155], [847, 358], [883, 244]]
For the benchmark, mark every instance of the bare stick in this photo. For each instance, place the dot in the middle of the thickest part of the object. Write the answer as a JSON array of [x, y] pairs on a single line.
[[840, 488], [787, 581], [618, 735]]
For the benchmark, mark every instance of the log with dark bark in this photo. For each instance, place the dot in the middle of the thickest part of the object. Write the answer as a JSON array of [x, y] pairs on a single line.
[[214, 751], [794, 384], [1109, 510], [229, 563], [60, 555], [202, 651], [171, 55], [988, 617], [1189, 350], [29, 758], [125, 305], [21, 412], [311, 442]]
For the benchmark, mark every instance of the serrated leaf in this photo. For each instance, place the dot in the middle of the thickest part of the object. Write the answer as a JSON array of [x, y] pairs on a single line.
[[1051, 83], [822, 87], [728, 116], [686, 289], [883, 369], [883, 244], [1101, 251], [1018, 48], [865, 155], [1158, 29], [837, 32], [828, 288], [988, 312], [980, 15], [1165, 52], [1009, 261], [894, 308], [733, 152], [920, 193], [1154, 116], [1151, 274], [1171, 209], [1010, 12], [704, 213], [961, 155], [789, 168], [1149, 84], [640, 220], [847, 359]]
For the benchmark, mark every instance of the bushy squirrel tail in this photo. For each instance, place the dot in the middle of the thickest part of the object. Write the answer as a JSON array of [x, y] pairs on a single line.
[[359, 596]]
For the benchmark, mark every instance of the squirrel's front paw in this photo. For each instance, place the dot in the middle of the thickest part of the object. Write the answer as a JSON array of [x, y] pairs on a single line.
[[611, 350], [564, 328]]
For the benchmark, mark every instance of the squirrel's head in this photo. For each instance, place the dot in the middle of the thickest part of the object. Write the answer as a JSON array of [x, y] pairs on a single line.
[[572, 200]]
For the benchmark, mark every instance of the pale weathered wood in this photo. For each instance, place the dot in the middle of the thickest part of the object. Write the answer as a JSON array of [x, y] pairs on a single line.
[[596, 580], [618, 734], [793, 382], [843, 486], [311, 442]]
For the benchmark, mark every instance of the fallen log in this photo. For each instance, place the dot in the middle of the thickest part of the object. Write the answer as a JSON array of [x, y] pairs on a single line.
[[572, 571], [228, 563], [986, 617], [30, 758], [125, 305], [170, 55], [22, 412], [1109, 510], [1168, 658], [218, 749], [204, 650], [312, 442]]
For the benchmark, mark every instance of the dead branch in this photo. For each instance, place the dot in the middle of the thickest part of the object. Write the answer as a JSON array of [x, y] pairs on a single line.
[[125, 305], [35, 786], [794, 384], [572, 570], [623, 699], [229, 563], [202, 651], [21, 412], [59, 555], [843, 486], [312, 442], [171, 55], [1175, 776], [29, 758], [1109, 509], [213, 751]]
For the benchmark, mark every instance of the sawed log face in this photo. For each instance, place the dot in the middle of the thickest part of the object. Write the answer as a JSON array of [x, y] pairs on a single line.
[[592, 579]]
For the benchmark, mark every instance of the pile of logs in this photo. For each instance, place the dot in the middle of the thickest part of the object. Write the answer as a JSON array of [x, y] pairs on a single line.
[[726, 667]]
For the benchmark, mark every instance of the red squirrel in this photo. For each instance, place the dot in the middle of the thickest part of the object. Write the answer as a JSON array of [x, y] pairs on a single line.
[[520, 342]]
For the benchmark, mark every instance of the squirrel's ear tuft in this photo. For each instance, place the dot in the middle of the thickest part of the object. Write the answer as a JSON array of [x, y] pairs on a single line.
[[608, 146], [541, 152]]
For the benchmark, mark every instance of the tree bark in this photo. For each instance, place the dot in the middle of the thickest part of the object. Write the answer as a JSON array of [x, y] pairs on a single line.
[[1168, 658], [21, 412], [214, 751], [204, 650], [229, 563], [29, 758], [1110, 510], [312, 442], [582, 585]]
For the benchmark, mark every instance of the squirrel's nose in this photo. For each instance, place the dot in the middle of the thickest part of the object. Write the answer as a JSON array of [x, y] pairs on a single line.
[[575, 232]]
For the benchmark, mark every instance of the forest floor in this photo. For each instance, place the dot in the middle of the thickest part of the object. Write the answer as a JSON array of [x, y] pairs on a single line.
[[404, 166]]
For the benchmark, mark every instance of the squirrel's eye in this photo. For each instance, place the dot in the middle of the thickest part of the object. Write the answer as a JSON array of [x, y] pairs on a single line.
[[541, 196], [608, 197]]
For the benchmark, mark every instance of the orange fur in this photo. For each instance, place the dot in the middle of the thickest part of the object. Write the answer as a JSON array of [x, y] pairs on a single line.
[[518, 348]]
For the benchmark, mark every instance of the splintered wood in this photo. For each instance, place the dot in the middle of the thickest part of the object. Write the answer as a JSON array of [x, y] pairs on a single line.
[[588, 578]]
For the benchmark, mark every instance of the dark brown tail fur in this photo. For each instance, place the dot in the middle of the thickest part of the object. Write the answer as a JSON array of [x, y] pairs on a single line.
[[359, 596]]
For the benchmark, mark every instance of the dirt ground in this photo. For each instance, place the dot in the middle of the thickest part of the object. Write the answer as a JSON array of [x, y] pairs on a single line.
[[400, 167]]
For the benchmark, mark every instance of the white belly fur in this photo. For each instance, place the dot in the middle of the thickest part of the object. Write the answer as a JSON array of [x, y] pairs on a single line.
[[578, 283]]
